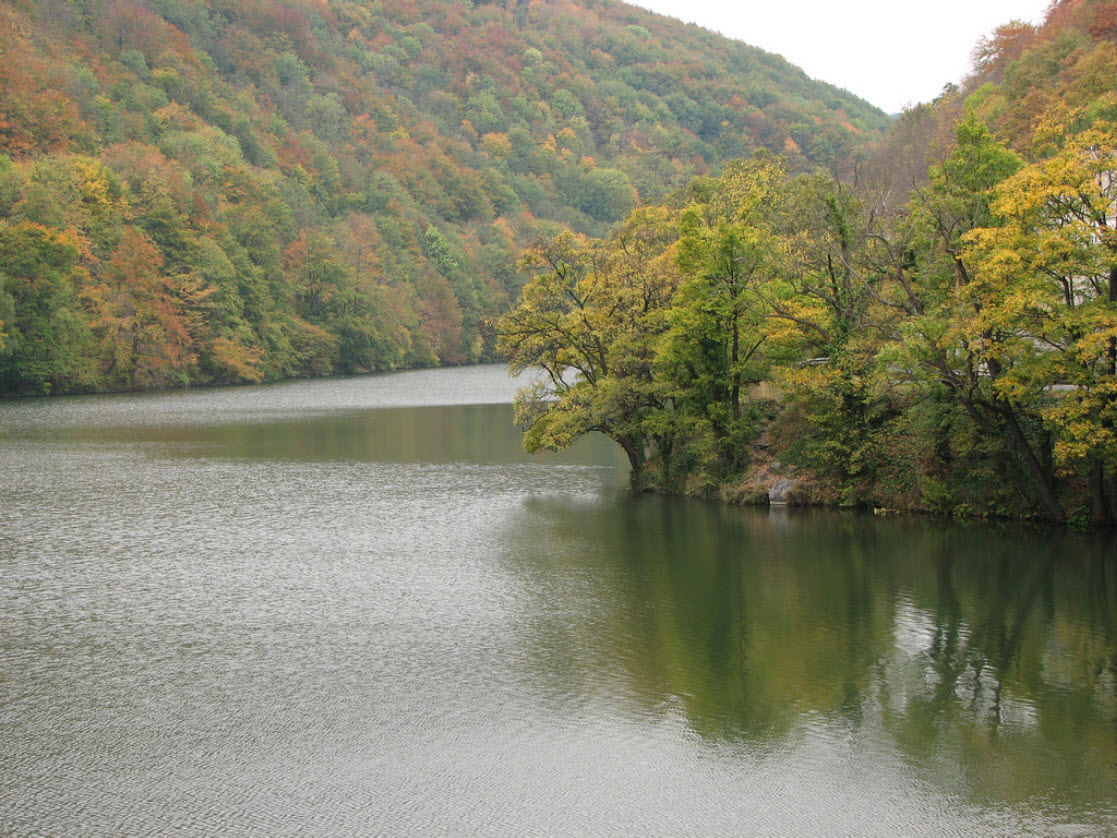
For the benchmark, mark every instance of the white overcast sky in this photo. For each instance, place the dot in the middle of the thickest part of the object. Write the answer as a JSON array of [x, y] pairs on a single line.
[[892, 53]]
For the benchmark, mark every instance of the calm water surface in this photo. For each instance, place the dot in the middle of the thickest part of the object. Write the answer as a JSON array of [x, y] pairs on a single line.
[[354, 607]]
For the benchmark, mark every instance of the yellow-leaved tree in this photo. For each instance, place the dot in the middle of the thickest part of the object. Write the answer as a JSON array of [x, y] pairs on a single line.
[[591, 321], [1050, 277]]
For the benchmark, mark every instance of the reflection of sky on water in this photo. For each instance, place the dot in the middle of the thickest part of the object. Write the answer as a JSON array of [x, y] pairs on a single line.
[[285, 401], [915, 630], [914, 673]]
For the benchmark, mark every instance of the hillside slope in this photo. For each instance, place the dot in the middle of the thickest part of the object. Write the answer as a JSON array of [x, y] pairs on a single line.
[[207, 191]]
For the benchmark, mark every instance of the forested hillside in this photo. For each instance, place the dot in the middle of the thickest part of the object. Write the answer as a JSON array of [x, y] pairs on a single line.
[[215, 191], [938, 333]]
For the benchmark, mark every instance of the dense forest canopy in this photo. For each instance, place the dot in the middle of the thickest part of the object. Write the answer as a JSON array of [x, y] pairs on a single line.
[[210, 191], [937, 332]]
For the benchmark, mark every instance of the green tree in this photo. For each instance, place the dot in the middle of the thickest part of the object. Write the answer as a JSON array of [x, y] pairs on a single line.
[[827, 320], [47, 341], [954, 342], [728, 248], [317, 274], [607, 194]]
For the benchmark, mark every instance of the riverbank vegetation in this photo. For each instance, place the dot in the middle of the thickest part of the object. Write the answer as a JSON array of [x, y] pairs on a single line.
[[937, 332]]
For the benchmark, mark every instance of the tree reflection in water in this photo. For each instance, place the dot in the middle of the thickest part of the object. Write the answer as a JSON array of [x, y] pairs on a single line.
[[987, 658]]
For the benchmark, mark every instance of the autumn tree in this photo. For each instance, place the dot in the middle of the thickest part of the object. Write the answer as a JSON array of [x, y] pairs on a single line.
[[141, 318], [1049, 278], [591, 322]]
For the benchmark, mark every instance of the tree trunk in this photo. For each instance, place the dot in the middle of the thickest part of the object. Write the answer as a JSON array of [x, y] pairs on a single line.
[[1112, 483], [1099, 508], [735, 356], [635, 454], [1112, 349], [1043, 480]]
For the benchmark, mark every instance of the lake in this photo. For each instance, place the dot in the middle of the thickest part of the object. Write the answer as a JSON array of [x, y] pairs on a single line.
[[355, 607]]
